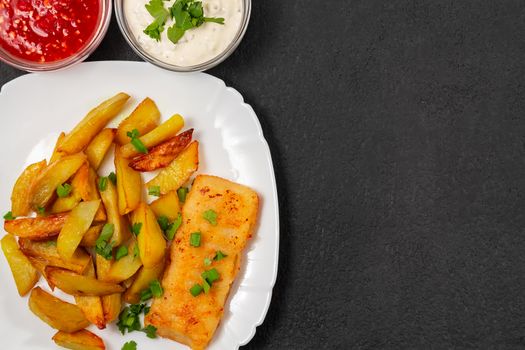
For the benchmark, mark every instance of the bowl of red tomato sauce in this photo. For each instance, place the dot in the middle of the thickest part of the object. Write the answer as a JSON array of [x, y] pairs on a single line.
[[45, 35]]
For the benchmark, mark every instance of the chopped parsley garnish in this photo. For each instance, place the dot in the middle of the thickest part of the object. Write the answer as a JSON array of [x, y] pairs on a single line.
[[41, 210], [136, 251], [206, 286], [164, 222], [136, 228], [187, 14], [122, 251], [207, 261], [154, 191], [219, 256], [128, 319], [146, 310], [134, 136], [196, 289], [130, 345], [181, 193], [64, 190], [210, 216], [210, 276], [9, 216], [103, 183], [151, 331], [170, 233], [154, 290], [102, 245], [195, 239], [160, 14], [112, 177]]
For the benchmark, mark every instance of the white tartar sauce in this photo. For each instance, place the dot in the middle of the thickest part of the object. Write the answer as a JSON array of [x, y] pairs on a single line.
[[198, 45]]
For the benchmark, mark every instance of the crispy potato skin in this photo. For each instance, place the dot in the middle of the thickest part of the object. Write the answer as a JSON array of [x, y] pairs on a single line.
[[38, 229], [179, 171], [161, 155], [144, 118], [178, 315], [91, 306], [161, 133], [48, 252], [24, 273], [79, 285], [20, 197], [55, 312], [80, 340], [92, 124]]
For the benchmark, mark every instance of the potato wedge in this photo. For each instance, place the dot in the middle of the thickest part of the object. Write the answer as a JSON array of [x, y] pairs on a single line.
[[97, 149], [111, 304], [91, 306], [124, 268], [144, 118], [79, 185], [20, 197], [89, 192], [40, 265], [152, 245], [51, 177], [92, 124], [161, 133], [48, 251], [80, 285], [91, 236], [56, 153], [110, 200], [55, 312], [80, 340], [161, 155], [129, 185], [179, 171], [24, 273], [167, 205], [76, 225], [142, 281], [38, 228]]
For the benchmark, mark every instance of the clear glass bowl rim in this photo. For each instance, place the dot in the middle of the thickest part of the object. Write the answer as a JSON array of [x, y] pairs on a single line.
[[128, 35]]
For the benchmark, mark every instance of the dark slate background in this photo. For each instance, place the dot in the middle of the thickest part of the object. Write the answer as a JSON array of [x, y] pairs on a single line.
[[398, 139]]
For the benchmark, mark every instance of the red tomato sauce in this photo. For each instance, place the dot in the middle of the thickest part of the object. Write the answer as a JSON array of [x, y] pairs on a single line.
[[47, 30]]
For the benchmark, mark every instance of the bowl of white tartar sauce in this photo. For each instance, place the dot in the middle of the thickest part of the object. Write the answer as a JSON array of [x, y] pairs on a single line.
[[183, 35]]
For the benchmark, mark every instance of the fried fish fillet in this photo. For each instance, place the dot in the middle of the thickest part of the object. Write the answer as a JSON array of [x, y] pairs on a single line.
[[178, 314]]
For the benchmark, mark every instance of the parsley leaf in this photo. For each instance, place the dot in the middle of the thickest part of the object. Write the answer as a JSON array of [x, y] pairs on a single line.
[[160, 14], [41, 210], [122, 251], [195, 239], [102, 247], [181, 193], [64, 190], [9, 216], [135, 141], [156, 288], [210, 216], [103, 183], [219, 256], [112, 177], [151, 331], [170, 233], [130, 345], [207, 261], [164, 222], [136, 228], [136, 251], [187, 14], [128, 319]]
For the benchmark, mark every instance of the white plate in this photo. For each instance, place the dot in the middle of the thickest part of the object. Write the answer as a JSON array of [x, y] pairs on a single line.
[[36, 107]]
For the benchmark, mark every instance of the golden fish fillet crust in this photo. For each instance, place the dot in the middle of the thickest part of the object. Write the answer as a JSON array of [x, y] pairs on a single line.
[[179, 315]]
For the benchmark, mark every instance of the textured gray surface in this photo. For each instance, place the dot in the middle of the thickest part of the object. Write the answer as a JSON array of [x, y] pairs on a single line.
[[398, 138]]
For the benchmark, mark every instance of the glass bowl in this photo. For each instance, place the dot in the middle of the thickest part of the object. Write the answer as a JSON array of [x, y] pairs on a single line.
[[81, 55], [133, 42]]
